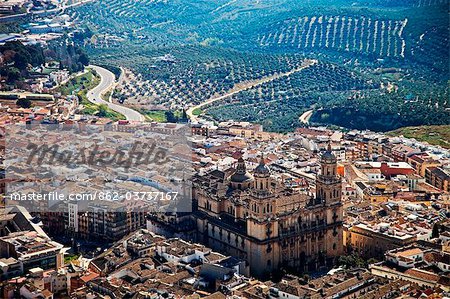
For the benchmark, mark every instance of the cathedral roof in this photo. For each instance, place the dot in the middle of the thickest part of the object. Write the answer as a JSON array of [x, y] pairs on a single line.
[[241, 174], [262, 168], [241, 178], [328, 156]]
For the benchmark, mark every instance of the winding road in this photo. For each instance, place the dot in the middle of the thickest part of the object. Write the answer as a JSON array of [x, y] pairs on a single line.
[[246, 85], [304, 118], [107, 82]]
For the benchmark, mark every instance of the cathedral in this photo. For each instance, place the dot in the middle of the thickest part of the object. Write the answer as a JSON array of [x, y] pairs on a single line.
[[253, 216]]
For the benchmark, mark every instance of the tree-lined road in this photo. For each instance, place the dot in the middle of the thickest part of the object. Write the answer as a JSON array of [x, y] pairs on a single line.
[[107, 82]]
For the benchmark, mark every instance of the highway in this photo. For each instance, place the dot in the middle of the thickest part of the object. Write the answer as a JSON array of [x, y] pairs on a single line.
[[107, 82]]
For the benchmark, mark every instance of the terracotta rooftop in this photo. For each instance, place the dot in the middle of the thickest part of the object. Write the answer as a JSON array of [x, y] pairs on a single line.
[[409, 252], [422, 274], [89, 277]]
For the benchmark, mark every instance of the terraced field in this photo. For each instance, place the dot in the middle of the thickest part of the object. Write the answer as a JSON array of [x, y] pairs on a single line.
[[181, 53], [130, 9], [428, 3], [176, 79], [277, 104], [361, 35]]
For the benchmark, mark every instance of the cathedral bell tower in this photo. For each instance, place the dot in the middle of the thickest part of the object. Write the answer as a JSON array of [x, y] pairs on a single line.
[[328, 184], [262, 182], [262, 203], [329, 194]]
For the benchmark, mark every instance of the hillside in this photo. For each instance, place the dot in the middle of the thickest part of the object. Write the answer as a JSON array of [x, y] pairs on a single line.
[[382, 62], [435, 135]]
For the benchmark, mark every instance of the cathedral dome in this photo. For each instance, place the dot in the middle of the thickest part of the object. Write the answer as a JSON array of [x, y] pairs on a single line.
[[241, 178], [241, 174], [328, 156], [262, 168]]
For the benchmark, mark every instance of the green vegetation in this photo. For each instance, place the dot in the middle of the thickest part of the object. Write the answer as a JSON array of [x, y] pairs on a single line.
[[12, 26], [355, 261], [278, 103], [79, 86], [162, 116], [106, 96], [413, 104], [18, 61], [104, 111], [193, 74], [82, 82], [383, 63], [70, 257], [435, 135], [98, 110], [155, 115], [71, 57], [197, 111]]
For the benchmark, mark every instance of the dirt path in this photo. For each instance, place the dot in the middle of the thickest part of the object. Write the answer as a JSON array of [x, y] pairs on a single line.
[[304, 118], [246, 85]]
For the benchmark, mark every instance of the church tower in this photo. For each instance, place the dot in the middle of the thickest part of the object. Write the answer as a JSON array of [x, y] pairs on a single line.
[[263, 201], [262, 183], [329, 194], [328, 184]]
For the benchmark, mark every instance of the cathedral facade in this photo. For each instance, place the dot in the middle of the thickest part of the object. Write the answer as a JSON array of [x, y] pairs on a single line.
[[255, 217]]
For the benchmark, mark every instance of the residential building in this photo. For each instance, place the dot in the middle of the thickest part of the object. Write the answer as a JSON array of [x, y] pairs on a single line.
[[438, 177], [30, 250]]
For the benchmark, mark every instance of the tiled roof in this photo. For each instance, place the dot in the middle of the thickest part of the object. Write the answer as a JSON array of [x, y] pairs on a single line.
[[422, 274]]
